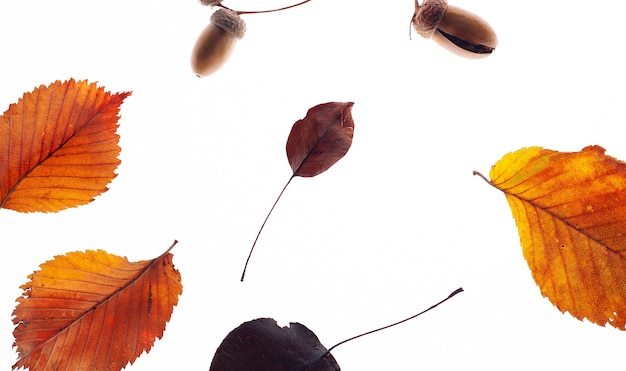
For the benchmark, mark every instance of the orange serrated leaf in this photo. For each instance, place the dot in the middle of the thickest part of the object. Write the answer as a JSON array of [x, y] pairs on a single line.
[[319, 140], [58, 146], [570, 210], [93, 310]]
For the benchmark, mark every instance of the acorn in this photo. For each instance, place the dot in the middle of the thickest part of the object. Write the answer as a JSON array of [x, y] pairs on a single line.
[[216, 42], [210, 2], [461, 32]]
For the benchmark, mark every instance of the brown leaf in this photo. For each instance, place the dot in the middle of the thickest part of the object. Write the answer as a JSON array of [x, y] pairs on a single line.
[[315, 143], [93, 310], [319, 140], [261, 344], [570, 209], [58, 146]]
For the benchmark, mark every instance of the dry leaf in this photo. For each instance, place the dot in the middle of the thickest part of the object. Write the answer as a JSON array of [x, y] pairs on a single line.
[[315, 143], [93, 310], [570, 209], [262, 345], [320, 139], [58, 146]]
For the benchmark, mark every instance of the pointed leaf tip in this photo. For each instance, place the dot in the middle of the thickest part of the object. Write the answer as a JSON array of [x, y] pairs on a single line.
[[58, 146], [93, 310], [570, 210], [320, 139]]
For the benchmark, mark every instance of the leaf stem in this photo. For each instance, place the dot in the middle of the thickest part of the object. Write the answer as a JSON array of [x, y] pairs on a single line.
[[263, 11], [480, 175], [171, 247], [459, 290], [243, 274], [168, 250]]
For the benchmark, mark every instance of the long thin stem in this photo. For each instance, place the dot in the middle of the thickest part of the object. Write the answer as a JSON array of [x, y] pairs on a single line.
[[264, 11], [459, 290], [243, 274]]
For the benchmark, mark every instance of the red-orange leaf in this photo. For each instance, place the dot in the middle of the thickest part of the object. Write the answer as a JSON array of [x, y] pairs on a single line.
[[320, 139], [58, 146], [570, 209], [93, 310]]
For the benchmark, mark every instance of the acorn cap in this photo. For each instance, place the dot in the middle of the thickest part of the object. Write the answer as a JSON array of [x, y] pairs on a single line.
[[230, 21], [428, 15], [210, 2]]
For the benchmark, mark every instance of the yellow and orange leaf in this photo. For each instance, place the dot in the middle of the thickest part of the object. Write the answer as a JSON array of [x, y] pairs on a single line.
[[93, 311], [570, 210], [58, 146]]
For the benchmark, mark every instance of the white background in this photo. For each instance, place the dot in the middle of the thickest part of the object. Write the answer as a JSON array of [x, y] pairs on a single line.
[[392, 228]]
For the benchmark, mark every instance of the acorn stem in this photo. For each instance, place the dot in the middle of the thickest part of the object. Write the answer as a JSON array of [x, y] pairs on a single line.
[[264, 11]]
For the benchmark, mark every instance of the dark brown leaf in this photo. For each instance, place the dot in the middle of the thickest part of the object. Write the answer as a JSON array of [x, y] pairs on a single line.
[[262, 345]]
